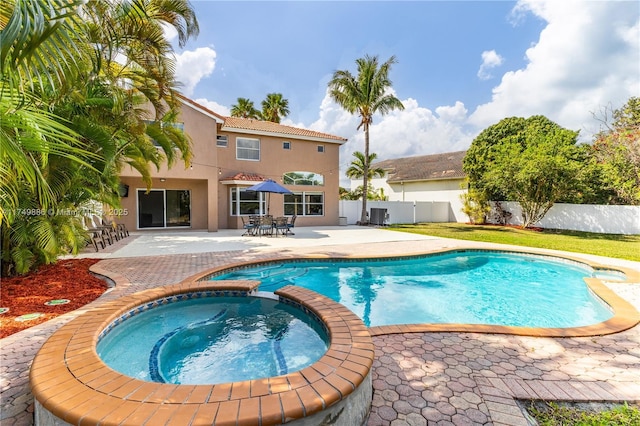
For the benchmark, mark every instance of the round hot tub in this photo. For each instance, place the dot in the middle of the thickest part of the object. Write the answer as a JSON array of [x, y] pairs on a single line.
[[209, 340], [312, 360]]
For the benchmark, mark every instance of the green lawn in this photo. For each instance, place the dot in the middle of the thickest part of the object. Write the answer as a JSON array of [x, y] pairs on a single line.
[[553, 414], [610, 245]]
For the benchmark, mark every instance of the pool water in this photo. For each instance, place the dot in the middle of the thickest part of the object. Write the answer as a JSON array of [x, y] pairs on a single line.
[[461, 287], [214, 340]]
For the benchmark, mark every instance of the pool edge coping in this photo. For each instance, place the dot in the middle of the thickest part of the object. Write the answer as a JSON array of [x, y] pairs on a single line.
[[71, 382], [625, 316]]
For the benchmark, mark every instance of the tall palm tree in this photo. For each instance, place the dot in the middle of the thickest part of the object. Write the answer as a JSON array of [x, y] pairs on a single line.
[[274, 107], [245, 109], [365, 94], [357, 169]]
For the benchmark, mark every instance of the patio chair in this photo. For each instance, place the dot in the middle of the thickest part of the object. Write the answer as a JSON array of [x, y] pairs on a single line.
[[265, 226], [120, 228], [249, 225], [108, 231], [281, 226], [95, 234], [291, 225]]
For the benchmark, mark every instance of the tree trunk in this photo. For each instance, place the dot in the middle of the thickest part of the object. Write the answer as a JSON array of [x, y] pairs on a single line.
[[365, 178]]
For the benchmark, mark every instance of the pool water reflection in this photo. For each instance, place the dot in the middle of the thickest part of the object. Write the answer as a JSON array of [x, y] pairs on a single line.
[[471, 287]]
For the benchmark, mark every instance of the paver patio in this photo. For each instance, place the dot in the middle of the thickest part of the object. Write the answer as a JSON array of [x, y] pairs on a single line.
[[418, 378]]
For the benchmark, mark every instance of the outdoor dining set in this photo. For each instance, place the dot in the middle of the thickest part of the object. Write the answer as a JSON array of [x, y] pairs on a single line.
[[267, 225]]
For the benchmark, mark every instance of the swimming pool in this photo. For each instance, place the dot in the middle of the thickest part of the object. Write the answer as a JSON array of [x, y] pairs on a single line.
[[468, 287], [214, 340]]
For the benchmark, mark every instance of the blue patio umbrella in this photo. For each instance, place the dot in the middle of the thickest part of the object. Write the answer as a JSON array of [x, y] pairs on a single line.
[[268, 186]]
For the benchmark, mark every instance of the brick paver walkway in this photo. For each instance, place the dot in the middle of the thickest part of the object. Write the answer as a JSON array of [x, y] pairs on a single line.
[[419, 378]]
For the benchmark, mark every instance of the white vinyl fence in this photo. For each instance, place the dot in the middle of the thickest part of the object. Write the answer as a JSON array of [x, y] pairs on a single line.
[[400, 211], [576, 217], [602, 219]]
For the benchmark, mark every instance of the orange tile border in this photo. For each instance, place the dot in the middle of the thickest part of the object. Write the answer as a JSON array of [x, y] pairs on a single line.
[[625, 315], [70, 381]]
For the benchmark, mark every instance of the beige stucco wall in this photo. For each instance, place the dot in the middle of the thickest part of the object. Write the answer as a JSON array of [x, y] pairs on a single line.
[[273, 164], [431, 190], [200, 178], [199, 200]]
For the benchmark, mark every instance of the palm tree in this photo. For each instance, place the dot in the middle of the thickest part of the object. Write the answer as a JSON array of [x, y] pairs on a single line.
[[274, 107], [42, 51], [365, 94], [73, 112], [357, 169], [245, 109]]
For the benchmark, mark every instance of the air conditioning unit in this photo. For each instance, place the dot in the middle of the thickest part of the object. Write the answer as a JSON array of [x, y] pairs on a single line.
[[378, 217]]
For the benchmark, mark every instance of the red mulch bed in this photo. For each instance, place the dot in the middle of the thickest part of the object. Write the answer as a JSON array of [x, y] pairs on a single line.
[[27, 294]]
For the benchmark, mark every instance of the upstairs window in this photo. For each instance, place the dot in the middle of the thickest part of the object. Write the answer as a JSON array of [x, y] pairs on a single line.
[[286, 145], [248, 149], [320, 148], [222, 141]]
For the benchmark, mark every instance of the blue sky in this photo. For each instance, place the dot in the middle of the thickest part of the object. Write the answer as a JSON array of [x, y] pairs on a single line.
[[462, 65]]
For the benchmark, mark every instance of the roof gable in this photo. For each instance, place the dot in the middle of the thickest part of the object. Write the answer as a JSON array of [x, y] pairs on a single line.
[[447, 165], [200, 108]]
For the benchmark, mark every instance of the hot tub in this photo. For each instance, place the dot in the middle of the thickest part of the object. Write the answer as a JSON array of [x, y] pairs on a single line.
[[71, 383]]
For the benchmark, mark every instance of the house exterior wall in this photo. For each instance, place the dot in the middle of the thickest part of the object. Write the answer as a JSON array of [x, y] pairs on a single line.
[[210, 198], [199, 189], [200, 179], [303, 156], [431, 190]]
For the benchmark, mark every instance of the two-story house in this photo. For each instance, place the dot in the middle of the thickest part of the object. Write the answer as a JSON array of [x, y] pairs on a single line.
[[231, 154]]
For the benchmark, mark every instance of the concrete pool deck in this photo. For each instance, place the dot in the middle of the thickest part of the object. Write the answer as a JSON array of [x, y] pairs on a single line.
[[418, 378]]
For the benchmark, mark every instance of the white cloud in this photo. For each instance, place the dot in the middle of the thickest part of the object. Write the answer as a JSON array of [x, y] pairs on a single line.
[[214, 106], [490, 60], [193, 66], [412, 131], [586, 57], [169, 31]]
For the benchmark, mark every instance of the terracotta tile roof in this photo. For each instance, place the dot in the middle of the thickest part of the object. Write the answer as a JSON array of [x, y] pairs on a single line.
[[262, 127], [447, 165], [267, 127], [250, 177]]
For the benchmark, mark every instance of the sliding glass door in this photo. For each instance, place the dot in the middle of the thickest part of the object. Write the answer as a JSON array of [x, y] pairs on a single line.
[[164, 208]]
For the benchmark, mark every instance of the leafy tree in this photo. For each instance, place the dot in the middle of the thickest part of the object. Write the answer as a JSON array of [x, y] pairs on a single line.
[[627, 117], [475, 205], [245, 109], [616, 154], [366, 94], [533, 161], [274, 107], [345, 194]]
